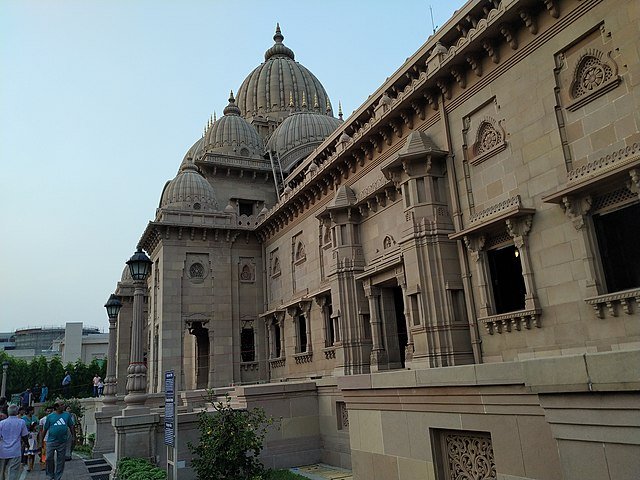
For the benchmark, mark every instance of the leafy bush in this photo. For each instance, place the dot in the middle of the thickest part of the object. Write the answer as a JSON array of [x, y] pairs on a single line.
[[230, 442], [138, 469], [282, 475]]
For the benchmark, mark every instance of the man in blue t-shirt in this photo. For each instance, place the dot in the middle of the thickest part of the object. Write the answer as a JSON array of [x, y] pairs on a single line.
[[58, 426]]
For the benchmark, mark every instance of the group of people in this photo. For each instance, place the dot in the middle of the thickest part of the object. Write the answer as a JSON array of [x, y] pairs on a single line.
[[98, 386], [32, 395], [24, 437]]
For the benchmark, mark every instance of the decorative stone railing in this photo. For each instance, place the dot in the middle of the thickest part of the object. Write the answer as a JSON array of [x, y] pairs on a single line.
[[611, 303], [248, 366], [329, 352], [277, 362], [303, 357], [506, 322]]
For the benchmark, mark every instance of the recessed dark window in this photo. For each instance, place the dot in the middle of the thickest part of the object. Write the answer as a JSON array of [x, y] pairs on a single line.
[[618, 233], [245, 208], [302, 334], [276, 341], [247, 345], [506, 279]]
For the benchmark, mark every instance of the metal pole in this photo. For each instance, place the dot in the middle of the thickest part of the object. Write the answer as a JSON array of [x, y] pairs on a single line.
[[3, 392]]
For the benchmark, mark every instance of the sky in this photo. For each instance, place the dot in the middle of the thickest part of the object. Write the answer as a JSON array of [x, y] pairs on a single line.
[[100, 100]]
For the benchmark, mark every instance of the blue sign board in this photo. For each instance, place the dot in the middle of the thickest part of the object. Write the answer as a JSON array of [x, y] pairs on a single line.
[[169, 408]]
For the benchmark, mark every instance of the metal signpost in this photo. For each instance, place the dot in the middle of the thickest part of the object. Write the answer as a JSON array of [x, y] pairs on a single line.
[[171, 424]]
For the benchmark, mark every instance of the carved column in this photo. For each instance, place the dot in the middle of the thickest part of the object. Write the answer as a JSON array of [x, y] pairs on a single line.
[[518, 229], [379, 360], [634, 183], [577, 210], [269, 337], [475, 245], [306, 308], [211, 379], [409, 349], [137, 371], [280, 318], [110, 381]]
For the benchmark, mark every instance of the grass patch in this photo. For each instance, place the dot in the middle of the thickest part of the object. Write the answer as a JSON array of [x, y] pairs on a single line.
[[283, 475]]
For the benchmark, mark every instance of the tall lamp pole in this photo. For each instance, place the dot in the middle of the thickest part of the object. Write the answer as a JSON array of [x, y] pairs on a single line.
[[5, 366], [139, 266], [113, 307]]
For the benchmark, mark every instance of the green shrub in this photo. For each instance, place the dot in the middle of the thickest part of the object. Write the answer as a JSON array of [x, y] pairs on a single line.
[[230, 442], [282, 475], [138, 469]]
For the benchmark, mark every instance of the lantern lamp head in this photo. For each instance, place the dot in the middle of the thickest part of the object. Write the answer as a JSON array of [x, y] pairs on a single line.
[[113, 306], [139, 265]]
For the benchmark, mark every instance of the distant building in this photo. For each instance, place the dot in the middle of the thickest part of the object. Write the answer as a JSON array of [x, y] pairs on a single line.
[[82, 344], [27, 343]]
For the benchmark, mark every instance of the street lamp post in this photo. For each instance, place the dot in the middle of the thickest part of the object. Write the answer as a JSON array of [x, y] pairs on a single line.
[[139, 266], [113, 306], [5, 366]]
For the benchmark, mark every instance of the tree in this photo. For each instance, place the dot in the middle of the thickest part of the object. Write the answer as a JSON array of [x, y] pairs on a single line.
[[230, 442]]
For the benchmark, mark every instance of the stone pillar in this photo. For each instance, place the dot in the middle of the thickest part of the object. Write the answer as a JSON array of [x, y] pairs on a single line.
[[408, 355], [3, 393], [110, 381], [379, 359], [475, 245], [519, 230], [211, 380], [281, 323], [306, 308], [137, 371]]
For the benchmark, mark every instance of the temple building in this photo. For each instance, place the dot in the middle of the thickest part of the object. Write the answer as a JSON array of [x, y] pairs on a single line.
[[449, 273]]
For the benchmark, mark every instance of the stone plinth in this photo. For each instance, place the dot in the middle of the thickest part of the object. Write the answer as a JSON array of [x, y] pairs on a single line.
[[135, 436]]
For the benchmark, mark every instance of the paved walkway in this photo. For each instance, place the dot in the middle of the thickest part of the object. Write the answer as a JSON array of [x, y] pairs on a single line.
[[323, 472], [75, 469]]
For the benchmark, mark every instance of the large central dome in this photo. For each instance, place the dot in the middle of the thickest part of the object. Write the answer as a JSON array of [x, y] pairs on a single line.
[[267, 91]]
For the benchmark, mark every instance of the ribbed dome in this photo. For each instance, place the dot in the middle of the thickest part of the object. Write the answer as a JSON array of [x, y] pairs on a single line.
[[189, 191], [194, 152], [299, 134], [233, 135], [126, 275], [267, 90]]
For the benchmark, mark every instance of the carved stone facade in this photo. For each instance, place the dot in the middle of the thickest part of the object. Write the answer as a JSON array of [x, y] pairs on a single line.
[[457, 254]]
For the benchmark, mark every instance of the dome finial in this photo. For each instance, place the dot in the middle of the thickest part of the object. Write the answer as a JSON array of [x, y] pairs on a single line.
[[328, 109], [340, 110], [304, 100], [279, 48], [214, 117], [316, 107], [278, 37], [232, 108]]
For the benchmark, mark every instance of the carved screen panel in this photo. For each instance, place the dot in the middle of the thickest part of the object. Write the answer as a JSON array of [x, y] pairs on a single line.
[[465, 455]]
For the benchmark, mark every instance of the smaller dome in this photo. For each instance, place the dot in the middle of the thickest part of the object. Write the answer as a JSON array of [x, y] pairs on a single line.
[[264, 211], [299, 134], [229, 209], [126, 275], [233, 135], [194, 152], [189, 190]]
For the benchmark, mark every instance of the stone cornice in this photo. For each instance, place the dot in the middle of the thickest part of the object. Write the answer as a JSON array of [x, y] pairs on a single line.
[[157, 232], [439, 68]]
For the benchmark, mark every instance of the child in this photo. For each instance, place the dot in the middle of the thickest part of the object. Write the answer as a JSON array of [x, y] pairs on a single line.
[[100, 386], [32, 445]]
